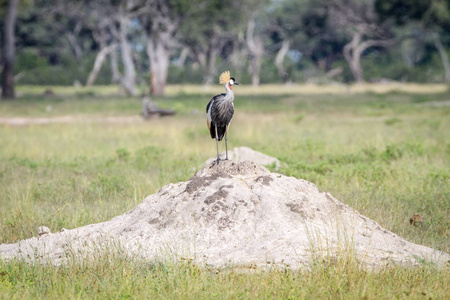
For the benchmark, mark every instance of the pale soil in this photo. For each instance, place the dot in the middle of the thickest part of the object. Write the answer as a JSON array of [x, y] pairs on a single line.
[[234, 214], [21, 121]]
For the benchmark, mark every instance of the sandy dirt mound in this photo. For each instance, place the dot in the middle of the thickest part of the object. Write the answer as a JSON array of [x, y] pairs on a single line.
[[243, 153], [235, 214]]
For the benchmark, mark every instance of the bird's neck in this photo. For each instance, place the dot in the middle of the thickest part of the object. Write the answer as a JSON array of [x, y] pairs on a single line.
[[229, 90]]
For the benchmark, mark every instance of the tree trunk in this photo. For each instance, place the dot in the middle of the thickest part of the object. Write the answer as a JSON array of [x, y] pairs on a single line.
[[239, 53], [99, 60], [115, 73], [279, 58], [182, 58], [355, 67], [207, 59], [128, 80], [354, 50], [158, 56], [256, 48], [255, 67], [201, 58], [353, 57], [443, 54], [76, 48], [9, 50], [211, 65]]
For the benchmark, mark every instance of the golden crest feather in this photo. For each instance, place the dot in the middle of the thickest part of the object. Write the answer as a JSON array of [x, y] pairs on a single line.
[[224, 77]]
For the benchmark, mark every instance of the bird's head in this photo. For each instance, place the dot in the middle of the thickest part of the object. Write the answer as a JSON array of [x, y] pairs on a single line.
[[227, 80], [231, 82]]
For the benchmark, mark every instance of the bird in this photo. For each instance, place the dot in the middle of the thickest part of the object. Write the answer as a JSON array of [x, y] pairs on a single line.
[[219, 112]]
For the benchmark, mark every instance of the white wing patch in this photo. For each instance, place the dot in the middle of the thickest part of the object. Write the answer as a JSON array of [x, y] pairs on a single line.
[[208, 114]]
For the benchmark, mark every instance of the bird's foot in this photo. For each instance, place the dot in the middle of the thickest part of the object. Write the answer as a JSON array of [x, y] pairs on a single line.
[[215, 162]]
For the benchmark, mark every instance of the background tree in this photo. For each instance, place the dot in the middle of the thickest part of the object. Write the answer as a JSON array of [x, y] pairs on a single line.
[[107, 22], [254, 36], [123, 17], [209, 30], [181, 41], [287, 31], [430, 17], [359, 21], [9, 50], [255, 45], [321, 42], [283, 26], [102, 27], [162, 23]]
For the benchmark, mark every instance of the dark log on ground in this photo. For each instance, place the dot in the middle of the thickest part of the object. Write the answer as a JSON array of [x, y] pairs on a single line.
[[151, 110]]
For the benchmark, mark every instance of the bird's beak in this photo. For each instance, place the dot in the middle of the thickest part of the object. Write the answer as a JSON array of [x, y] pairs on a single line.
[[236, 83]]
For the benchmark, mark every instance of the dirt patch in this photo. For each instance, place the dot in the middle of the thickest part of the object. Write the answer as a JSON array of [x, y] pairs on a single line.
[[220, 194], [23, 121], [198, 182], [264, 179]]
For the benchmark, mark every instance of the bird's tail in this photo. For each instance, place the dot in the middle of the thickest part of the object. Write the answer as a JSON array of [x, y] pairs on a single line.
[[221, 130]]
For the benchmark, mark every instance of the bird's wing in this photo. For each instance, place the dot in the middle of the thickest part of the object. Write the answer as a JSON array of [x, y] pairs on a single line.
[[222, 114], [209, 122], [209, 107], [208, 111]]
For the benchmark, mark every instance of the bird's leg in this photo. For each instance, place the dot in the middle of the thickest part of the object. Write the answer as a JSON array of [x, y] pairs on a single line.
[[217, 143], [226, 145]]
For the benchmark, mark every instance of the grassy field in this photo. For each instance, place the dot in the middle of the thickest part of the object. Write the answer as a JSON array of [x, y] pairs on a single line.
[[384, 151]]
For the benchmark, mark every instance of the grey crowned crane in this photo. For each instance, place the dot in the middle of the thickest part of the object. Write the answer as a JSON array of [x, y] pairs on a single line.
[[220, 110]]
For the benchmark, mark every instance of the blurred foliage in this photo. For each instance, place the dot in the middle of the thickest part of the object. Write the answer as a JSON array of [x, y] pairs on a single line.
[[57, 47], [36, 69]]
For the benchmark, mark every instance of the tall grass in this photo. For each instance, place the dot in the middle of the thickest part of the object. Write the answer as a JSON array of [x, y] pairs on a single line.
[[114, 277], [385, 154]]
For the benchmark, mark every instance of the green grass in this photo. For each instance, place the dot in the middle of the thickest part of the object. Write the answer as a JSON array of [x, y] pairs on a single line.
[[114, 277], [385, 154]]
